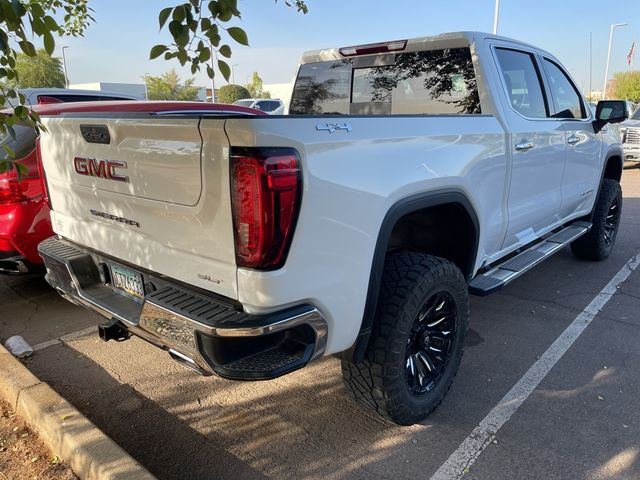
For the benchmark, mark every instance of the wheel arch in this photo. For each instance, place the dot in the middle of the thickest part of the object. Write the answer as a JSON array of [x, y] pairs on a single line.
[[402, 210]]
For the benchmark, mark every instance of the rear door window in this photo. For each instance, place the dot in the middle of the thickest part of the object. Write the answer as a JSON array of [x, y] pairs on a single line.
[[433, 82], [522, 82]]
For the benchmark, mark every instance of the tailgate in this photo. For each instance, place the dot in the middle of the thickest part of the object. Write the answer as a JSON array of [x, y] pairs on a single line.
[[146, 190]]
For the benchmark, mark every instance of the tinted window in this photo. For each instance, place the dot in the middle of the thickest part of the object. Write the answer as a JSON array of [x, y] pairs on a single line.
[[322, 88], [521, 79], [268, 105], [424, 83], [84, 98], [566, 100], [23, 143]]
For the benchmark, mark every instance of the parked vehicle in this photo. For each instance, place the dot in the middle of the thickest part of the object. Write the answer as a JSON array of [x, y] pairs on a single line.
[[24, 213], [43, 96], [408, 174], [267, 105], [630, 130]]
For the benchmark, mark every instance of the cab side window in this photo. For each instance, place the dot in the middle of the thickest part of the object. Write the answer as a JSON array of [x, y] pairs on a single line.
[[522, 82], [566, 99]]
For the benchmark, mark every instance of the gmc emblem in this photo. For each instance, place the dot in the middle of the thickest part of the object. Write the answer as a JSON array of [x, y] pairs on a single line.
[[100, 168]]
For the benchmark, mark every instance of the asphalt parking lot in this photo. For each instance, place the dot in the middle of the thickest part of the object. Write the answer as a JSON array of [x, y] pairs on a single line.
[[580, 421]]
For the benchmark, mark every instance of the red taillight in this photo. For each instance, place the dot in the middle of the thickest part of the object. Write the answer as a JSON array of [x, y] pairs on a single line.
[[28, 187], [395, 46], [265, 198]]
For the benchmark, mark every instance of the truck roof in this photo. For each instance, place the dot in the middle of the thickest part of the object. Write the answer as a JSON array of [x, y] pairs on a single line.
[[443, 40]]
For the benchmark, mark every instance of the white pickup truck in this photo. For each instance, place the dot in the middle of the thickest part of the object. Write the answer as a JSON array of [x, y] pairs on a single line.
[[408, 174]]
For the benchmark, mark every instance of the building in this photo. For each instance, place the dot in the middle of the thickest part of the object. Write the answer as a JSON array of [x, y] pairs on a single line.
[[136, 89]]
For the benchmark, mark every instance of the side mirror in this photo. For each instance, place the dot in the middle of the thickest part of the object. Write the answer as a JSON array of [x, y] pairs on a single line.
[[610, 111]]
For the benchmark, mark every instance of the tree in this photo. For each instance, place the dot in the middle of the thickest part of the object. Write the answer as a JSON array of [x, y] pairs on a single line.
[[168, 87], [255, 87], [197, 28], [197, 33], [232, 93], [20, 22], [40, 71], [627, 86]]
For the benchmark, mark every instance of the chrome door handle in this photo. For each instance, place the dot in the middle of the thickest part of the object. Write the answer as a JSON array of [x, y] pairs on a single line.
[[524, 146], [573, 139]]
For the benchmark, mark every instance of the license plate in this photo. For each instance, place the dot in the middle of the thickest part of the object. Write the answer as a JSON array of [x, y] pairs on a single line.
[[127, 281]]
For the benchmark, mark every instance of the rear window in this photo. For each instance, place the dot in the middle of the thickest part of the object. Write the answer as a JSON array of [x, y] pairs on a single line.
[[244, 103], [84, 98], [435, 82], [267, 105]]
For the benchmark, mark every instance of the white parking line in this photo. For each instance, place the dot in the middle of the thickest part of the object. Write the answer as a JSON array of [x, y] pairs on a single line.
[[481, 436], [64, 338]]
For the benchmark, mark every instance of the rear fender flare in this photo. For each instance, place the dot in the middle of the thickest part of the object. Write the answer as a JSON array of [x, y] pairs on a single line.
[[404, 207]]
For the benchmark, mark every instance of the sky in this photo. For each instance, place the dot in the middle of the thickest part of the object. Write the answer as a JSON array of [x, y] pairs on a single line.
[[116, 47]]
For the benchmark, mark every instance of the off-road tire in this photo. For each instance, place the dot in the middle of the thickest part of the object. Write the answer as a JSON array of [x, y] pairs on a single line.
[[379, 382], [594, 245]]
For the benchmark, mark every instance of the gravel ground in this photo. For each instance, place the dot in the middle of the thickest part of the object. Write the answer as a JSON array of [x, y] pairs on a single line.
[[22, 453]]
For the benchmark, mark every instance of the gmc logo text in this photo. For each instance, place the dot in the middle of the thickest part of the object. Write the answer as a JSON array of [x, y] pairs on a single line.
[[100, 168]]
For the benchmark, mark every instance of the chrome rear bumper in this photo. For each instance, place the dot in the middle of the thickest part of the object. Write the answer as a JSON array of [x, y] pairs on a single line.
[[207, 333]]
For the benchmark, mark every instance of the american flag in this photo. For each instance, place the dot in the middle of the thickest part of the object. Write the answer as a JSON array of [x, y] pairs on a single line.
[[630, 54]]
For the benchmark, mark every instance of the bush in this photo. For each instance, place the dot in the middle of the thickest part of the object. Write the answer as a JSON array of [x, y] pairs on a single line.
[[232, 93]]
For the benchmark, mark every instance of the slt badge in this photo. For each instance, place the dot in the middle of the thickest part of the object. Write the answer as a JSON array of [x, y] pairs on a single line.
[[332, 127]]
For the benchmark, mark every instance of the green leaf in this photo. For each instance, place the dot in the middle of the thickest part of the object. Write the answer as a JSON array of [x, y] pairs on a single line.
[[28, 48], [5, 166], [179, 13], [210, 71], [21, 168], [49, 43], [157, 50], [205, 55], [179, 33], [225, 51], [239, 35], [38, 26], [36, 10], [224, 69], [51, 23], [9, 151], [164, 15]]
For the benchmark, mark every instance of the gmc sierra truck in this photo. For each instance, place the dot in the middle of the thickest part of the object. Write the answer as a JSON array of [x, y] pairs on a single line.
[[407, 175]]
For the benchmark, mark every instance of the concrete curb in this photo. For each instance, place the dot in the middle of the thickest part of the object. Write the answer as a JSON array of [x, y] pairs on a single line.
[[90, 453]]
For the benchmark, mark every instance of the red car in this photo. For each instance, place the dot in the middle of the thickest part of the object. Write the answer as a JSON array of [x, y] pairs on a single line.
[[24, 212]]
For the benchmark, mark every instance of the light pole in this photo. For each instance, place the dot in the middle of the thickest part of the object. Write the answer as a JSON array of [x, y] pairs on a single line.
[[233, 73], [213, 82], [496, 17], [606, 71], [146, 86], [64, 67]]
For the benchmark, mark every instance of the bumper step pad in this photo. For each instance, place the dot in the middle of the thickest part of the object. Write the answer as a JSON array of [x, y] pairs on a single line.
[[501, 274]]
